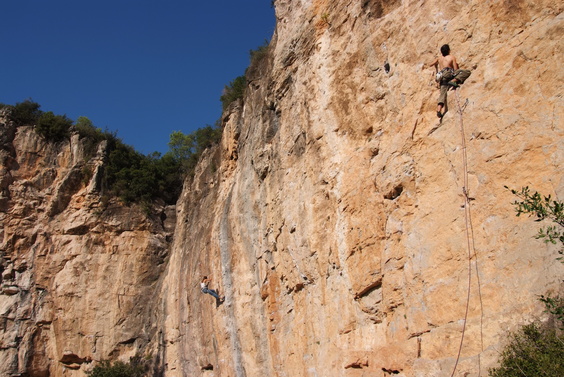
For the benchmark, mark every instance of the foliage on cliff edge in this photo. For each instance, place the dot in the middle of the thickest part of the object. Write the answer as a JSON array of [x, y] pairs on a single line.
[[127, 174]]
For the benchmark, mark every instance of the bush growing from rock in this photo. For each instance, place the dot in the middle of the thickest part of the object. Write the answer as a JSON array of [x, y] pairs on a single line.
[[187, 149], [233, 91], [537, 349], [24, 113], [236, 88], [105, 368], [534, 350], [127, 174], [542, 207], [53, 127]]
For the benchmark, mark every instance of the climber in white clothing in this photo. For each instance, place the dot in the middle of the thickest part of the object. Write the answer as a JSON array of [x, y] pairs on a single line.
[[204, 286]]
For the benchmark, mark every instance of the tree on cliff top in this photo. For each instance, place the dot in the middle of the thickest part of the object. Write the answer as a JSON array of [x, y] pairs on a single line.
[[127, 174], [236, 88], [53, 127], [25, 113], [187, 148], [233, 91]]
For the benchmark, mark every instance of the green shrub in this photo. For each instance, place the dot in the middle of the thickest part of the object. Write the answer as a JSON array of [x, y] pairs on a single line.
[[236, 88], [537, 349], [555, 307], [257, 57], [181, 145], [233, 91], [258, 54], [187, 149], [25, 113], [205, 137], [53, 127], [136, 178], [86, 129], [534, 350], [127, 174], [90, 135], [543, 207], [105, 368], [170, 176]]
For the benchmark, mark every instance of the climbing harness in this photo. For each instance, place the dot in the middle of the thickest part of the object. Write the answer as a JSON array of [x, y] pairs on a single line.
[[470, 240], [443, 72]]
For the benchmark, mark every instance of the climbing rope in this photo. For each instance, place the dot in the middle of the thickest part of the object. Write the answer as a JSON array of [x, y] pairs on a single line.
[[470, 244]]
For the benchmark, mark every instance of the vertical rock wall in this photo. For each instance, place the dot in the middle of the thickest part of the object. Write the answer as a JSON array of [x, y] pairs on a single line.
[[78, 276], [332, 217]]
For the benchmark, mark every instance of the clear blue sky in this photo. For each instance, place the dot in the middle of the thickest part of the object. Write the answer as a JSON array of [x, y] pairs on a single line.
[[138, 67]]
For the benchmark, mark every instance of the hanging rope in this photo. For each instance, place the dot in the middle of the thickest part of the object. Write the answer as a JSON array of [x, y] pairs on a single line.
[[470, 244]]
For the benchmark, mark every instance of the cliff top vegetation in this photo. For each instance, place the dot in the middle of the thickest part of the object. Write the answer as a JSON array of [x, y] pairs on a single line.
[[128, 174]]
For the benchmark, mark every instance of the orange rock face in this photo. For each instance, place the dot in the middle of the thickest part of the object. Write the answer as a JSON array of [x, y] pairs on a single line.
[[351, 232], [335, 224], [78, 277]]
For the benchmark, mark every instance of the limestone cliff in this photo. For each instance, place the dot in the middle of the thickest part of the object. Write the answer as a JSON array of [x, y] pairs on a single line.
[[78, 275], [332, 216]]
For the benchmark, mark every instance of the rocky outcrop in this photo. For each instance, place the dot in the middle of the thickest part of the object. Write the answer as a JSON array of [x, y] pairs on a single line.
[[335, 223], [351, 232], [78, 274]]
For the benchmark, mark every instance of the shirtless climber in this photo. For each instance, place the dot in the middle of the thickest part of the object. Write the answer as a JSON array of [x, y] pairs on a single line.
[[204, 286], [448, 77]]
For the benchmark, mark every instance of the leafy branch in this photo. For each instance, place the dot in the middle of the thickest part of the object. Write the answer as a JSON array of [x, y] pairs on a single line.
[[542, 207], [554, 306], [537, 348]]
